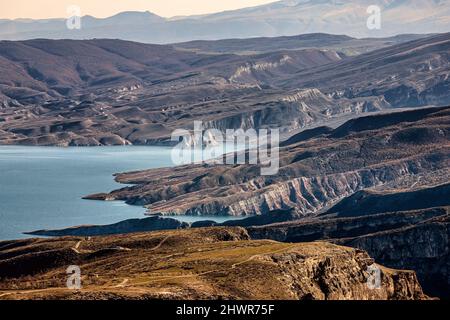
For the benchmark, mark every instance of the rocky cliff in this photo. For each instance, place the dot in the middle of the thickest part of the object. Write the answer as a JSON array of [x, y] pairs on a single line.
[[417, 239], [379, 183], [369, 152], [422, 247], [217, 263]]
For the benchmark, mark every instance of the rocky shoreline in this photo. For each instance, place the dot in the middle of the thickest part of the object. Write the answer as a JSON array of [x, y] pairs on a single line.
[[377, 183], [377, 151]]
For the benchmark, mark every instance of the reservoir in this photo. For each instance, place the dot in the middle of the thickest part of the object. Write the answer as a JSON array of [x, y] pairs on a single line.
[[42, 187]]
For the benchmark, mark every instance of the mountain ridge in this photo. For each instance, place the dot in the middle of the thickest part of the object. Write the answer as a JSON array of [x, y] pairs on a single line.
[[115, 92], [282, 18], [202, 264]]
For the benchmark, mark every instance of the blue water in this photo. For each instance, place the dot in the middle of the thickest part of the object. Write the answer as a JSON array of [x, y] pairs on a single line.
[[42, 187]]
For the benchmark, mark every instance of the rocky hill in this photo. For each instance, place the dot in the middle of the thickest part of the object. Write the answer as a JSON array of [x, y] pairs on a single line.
[[113, 92], [416, 239], [219, 263], [378, 183], [379, 151]]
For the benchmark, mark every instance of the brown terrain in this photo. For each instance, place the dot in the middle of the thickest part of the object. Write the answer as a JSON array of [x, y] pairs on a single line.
[[113, 92], [377, 184], [217, 263], [409, 148]]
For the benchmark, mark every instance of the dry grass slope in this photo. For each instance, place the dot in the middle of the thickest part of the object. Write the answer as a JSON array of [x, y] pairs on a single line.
[[212, 263]]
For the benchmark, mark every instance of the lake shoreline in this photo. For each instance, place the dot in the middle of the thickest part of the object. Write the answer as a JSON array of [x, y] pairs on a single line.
[[47, 186]]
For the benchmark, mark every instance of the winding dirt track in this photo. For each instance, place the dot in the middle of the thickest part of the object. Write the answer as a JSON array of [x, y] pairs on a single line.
[[126, 281]]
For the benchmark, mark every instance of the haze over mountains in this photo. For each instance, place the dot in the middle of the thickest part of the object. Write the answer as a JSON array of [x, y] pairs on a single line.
[[281, 18]]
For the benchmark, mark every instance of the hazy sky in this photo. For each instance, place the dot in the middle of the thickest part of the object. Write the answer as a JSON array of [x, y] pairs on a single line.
[[39, 9]]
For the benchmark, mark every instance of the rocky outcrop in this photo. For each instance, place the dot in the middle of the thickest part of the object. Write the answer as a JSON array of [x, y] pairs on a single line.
[[416, 240], [210, 263], [158, 89], [247, 70], [422, 247], [316, 170], [369, 202]]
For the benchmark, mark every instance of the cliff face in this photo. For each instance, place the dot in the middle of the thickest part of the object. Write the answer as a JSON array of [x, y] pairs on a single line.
[[372, 183], [206, 263], [377, 151], [423, 247], [416, 240]]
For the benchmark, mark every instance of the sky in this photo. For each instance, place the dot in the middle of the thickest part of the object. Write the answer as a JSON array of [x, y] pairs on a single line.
[[42, 9]]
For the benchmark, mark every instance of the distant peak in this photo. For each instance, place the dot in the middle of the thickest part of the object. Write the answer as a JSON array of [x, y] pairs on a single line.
[[135, 13], [139, 15]]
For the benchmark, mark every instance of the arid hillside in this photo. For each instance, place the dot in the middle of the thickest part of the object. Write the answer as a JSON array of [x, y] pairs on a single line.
[[317, 169], [114, 92], [212, 263], [379, 183]]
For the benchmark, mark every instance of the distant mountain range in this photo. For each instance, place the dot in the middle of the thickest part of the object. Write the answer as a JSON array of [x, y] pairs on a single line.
[[281, 18]]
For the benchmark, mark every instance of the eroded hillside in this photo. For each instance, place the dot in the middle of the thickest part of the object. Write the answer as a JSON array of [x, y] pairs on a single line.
[[194, 264], [385, 151], [113, 92]]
